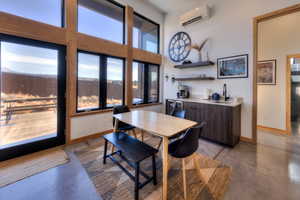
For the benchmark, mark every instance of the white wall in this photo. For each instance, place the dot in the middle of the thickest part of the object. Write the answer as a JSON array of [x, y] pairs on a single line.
[[230, 33], [277, 38], [91, 124]]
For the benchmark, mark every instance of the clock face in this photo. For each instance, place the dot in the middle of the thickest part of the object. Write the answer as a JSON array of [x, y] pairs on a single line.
[[179, 46]]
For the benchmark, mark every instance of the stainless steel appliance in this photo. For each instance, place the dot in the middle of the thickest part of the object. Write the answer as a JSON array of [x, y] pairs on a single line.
[[183, 91]]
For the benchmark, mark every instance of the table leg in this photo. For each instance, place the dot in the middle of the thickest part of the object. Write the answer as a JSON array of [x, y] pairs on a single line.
[[142, 135], [116, 125], [165, 168], [115, 130]]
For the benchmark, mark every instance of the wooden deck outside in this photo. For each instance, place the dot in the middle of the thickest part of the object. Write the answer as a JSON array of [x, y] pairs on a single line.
[[27, 126]]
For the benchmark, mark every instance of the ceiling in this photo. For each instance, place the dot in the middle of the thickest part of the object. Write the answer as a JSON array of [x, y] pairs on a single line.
[[170, 6]]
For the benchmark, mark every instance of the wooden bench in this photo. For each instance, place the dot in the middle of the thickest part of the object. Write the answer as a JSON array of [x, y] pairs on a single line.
[[133, 152]]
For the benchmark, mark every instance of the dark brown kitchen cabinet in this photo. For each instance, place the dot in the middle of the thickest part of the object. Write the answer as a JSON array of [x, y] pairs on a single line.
[[223, 122]]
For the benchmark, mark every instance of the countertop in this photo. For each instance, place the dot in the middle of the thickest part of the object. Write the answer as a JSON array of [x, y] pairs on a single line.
[[230, 103]]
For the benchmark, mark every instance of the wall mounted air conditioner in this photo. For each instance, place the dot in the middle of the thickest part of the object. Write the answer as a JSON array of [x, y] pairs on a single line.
[[195, 15]]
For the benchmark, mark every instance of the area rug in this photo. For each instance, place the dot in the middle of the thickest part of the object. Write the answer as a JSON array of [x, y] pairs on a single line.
[[17, 169], [112, 183]]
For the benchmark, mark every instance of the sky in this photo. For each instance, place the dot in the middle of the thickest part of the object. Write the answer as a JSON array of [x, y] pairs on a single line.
[[36, 60]]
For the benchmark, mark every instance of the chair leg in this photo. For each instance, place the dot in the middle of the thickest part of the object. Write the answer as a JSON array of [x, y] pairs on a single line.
[[105, 152], [184, 178], [112, 148], [134, 133], [137, 182], [159, 144], [142, 134], [154, 170], [197, 166]]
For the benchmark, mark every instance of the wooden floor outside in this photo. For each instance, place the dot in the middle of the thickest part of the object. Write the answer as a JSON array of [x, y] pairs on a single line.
[[27, 126]]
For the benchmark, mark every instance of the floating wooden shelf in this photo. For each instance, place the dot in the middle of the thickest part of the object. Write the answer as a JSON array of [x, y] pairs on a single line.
[[194, 79], [194, 65]]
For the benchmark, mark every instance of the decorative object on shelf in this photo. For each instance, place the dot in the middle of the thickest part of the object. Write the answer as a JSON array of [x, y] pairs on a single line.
[[266, 72], [233, 67], [194, 65], [179, 47], [199, 49], [173, 78]]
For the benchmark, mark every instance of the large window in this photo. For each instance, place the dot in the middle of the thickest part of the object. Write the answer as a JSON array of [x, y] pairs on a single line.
[[153, 86], [115, 84], [102, 19], [88, 84], [46, 11], [100, 81], [145, 34], [138, 82], [145, 83]]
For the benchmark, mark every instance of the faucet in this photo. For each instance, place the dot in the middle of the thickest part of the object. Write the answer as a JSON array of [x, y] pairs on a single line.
[[225, 92]]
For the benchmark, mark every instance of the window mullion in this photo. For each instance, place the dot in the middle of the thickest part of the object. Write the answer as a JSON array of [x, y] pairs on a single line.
[[146, 82], [103, 82], [158, 83]]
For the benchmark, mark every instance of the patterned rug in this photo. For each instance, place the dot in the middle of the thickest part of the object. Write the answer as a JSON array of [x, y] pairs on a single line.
[[113, 184], [20, 168]]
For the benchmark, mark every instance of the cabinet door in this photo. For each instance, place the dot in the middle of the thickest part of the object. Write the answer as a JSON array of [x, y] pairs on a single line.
[[191, 111], [222, 124], [194, 112], [218, 120]]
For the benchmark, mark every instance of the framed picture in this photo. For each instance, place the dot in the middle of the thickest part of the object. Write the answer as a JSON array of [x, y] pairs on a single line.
[[233, 67], [266, 72]]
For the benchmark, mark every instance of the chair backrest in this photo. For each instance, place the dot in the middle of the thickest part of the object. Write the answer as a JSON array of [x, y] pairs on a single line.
[[118, 110], [180, 114], [189, 142], [175, 107], [121, 109]]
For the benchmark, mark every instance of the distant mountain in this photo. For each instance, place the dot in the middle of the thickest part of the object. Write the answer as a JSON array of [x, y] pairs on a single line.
[[27, 74]]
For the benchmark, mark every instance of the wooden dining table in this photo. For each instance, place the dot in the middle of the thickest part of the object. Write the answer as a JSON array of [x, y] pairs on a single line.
[[162, 125]]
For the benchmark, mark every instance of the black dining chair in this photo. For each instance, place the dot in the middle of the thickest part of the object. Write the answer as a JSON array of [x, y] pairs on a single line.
[[186, 146], [175, 107], [179, 114], [123, 127]]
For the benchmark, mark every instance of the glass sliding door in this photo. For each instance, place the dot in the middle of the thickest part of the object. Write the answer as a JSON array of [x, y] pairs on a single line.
[[32, 102]]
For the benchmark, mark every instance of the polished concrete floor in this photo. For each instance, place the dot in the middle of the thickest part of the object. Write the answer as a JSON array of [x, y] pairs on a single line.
[[289, 143], [65, 182], [296, 128], [260, 172]]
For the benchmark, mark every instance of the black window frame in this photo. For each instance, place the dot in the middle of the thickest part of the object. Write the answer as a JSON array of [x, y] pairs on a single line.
[[146, 83], [63, 14], [60, 139], [102, 82], [158, 31], [124, 21]]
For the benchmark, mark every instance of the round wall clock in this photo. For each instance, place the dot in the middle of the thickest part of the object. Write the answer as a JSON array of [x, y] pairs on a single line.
[[179, 46]]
